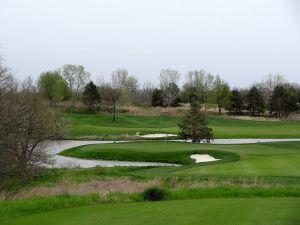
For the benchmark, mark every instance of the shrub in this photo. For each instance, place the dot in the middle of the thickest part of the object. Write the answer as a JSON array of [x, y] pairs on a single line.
[[153, 194]]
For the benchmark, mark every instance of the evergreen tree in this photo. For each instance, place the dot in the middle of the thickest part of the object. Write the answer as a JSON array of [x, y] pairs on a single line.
[[90, 95], [255, 101], [157, 98], [283, 100], [235, 102], [194, 126]]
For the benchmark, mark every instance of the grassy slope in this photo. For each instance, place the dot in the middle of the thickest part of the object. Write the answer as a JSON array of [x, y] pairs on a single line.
[[258, 211], [264, 159], [84, 125]]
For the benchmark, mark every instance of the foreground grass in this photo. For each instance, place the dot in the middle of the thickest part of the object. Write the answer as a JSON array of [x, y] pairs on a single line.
[[89, 126], [262, 159], [250, 211], [9, 208]]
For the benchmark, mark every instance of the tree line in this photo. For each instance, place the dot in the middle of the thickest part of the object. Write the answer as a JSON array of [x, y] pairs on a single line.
[[272, 96]]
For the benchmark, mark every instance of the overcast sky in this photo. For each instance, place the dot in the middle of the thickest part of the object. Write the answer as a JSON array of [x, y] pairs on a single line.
[[240, 40]]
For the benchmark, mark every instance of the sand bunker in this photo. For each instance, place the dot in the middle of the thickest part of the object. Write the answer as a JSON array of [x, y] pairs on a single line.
[[157, 135], [199, 158]]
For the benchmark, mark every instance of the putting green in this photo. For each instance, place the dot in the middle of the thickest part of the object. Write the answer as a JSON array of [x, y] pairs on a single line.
[[262, 159]]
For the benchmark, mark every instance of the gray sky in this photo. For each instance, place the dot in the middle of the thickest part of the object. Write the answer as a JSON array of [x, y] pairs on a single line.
[[240, 40]]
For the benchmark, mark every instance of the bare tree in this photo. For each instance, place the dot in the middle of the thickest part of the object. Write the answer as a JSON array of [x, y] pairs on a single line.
[[110, 95], [26, 122], [76, 77], [168, 79], [147, 90], [268, 83], [201, 84], [128, 85]]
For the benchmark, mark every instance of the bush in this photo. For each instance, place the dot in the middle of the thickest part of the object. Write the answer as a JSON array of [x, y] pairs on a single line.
[[153, 194]]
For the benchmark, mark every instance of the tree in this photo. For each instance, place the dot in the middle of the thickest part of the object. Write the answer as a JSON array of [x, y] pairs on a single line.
[[52, 86], [90, 94], [171, 97], [26, 123], [168, 85], [194, 126], [157, 98], [111, 95], [268, 83], [76, 77], [236, 102], [283, 100], [128, 85], [200, 84], [255, 101], [146, 94], [221, 92]]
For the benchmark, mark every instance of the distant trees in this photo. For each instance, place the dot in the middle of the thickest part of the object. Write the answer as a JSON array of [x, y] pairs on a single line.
[[200, 84], [235, 102], [267, 85], [90, 95], [75, 76], [53, 86], [194, 126], [284, 99], [168, 84], [157, 98], [255, 101], [144, 97], [221, 93], [128, 85]]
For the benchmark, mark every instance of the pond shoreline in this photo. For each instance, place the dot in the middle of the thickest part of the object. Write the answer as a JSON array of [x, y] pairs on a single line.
[[55, 147]]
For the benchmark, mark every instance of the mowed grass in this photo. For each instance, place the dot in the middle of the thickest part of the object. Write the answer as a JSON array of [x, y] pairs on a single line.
[[253, 211], [262, 159], [99, 126]]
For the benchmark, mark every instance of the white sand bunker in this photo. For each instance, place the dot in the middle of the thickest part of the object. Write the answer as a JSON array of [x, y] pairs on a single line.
[[203, 158], [157, 135]]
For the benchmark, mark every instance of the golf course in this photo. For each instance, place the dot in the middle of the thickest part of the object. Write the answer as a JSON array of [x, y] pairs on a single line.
[[249, 184]]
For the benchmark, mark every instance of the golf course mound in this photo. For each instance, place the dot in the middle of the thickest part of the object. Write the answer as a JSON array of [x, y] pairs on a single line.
[[150, 152]]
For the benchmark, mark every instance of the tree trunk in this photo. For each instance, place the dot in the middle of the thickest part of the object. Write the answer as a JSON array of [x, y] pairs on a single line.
[[220, 110], [114, 116]]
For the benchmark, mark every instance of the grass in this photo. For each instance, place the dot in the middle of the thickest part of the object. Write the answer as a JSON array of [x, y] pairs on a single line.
[[250, 211], [262, 159], [90, 126], [34, 205], [252, 184], [125, 153]]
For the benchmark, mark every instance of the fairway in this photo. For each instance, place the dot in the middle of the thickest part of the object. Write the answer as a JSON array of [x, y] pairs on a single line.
[[262, 159], [98, 126], [253, 211]]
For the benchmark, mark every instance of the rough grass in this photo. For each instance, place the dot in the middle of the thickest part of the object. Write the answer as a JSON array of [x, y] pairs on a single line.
[[226, 211], [89, 126], [263, 159]]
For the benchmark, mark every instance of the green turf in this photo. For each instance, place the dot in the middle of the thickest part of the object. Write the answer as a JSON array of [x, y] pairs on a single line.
[[101, 126], [253, 211], [262, 159]]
